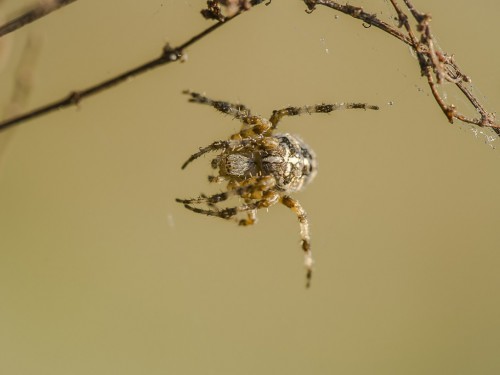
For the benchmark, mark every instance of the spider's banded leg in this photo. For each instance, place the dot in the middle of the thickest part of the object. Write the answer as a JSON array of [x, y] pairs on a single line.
[[295, 206], [319, 108], [217, 145], [239, 111], [256, 188], [225, 213], [211, 200], [270, 198]]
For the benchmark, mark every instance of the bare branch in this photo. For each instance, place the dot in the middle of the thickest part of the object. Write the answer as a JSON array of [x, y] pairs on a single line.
[[437, 66], [45, 7], [168, 55]]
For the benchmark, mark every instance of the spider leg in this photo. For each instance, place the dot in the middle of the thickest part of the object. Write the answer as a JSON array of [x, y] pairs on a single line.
[[226, 213], [211, 200], [254, 188], [219, 145], [270, 198], [319, 108], [252, 125], [239, 111], [256, 192], [295, 206]]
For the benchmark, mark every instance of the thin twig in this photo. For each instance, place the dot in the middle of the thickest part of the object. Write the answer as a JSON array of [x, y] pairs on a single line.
[[168, 55], [45, 7], [436, 65]]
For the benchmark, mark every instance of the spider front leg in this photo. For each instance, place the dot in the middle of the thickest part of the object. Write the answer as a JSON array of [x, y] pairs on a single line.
[[319, 108], [252, 125], [256, 191], [295, 206], [269, 198], [239, 111], [218, 145], [254, 188]]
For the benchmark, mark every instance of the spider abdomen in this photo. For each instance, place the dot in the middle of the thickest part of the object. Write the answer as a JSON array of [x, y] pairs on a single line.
[[293, 164]]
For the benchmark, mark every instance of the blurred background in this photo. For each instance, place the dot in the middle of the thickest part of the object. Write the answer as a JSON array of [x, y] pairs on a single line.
[[102, 272]]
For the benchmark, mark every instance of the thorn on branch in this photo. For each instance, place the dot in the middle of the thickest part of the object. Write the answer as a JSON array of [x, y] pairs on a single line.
[[74, 98]]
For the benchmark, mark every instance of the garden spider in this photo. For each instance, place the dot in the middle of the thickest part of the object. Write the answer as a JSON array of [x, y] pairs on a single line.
[[260, 166]]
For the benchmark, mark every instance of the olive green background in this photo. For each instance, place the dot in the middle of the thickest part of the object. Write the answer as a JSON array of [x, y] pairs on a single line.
[[101, 272]]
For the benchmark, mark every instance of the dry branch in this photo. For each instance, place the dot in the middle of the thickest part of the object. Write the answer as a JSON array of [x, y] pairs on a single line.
[[169, 54], [437, 66]]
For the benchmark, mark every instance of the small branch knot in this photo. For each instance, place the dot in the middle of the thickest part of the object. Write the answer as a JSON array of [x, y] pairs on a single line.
[[171, 54], [74, 98]]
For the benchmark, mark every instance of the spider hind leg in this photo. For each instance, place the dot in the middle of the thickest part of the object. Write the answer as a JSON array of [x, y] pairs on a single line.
[[296, 207]]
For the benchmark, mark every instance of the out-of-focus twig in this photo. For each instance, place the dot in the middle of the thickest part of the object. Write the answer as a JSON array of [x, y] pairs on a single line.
[[5, 45], [24, 75], [23, 83], [42, 9], [437, 66]]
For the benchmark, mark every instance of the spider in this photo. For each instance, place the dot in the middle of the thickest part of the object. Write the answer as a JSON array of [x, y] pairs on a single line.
[[260, 166]]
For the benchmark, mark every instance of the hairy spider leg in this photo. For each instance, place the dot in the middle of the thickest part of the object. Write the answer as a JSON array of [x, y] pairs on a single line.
[[270, 198], [277, 115], [296, 207], [218, 145], [252, 127], [253, 188], [239, 111], [255, 191]]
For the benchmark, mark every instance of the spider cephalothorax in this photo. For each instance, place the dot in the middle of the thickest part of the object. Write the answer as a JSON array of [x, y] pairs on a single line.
[[260, 166]]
